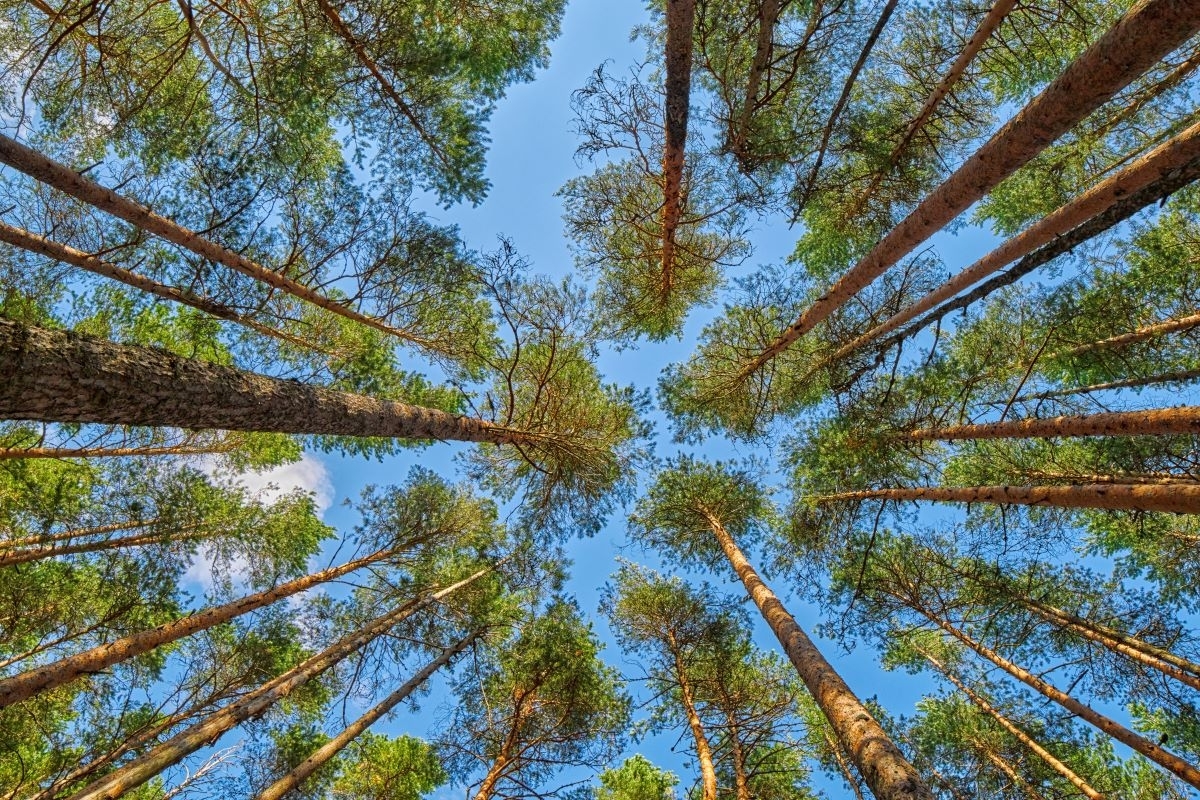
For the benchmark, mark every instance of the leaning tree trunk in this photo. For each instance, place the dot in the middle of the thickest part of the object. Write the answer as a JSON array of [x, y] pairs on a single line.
[[1166, 760], [1018, 734], [1153, 166], [77, 258], [10, 558], [78, 533], [27, 684], [704, 754], [1178, 376], [58, 376], [888, 774], [1116, 497], [204, 733], [330, 749], [1149, 31], [987, 26], [68, 181], [681, 22], [1152, 422], [1185, 323], [113, 452], [1009, 772]]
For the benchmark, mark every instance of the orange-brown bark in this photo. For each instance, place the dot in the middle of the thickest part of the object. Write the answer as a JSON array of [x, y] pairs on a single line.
[[704, 754], [10, 558], [681, 21], [1152, 422], [1117, 497], [1179, 325]]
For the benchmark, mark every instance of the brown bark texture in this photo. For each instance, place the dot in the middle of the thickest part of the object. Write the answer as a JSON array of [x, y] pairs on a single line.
[[1178, 376], [110, 452], [10, 558], [768, 13], [1149, 31], [68, 181], [1181, 420], [58, 376], [681, 23], [1116, 497], [1139, 335], [884, 768], [308, 766], [704, 754]]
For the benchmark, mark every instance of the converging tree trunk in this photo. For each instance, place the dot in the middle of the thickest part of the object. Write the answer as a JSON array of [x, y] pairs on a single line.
[[885, 769], [330, 749], [704, 753], [1116, 497], [1179, 325], [1149, 31], [115, 452], [1181, 420], [1177, 376], [681, 23], [768, 14], [10, 558]]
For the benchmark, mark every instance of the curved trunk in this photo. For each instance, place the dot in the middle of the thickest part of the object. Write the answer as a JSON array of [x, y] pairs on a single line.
[[27, 684], [1152, 422], [708, 772], [888, 774], [1168, 761], [681, 22], [1178, 376], [77, 258], [338, 743], [1151, 167], [1185, 323], [58, 376], [1148, 32], [68, 181], [987, 26], [1018, 734], [204, 733], [1117, 497]]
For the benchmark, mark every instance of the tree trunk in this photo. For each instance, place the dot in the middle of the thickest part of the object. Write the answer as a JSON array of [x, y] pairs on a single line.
[[847, 775], [1140, 335], [1117, 497], [708, 772], [987, 26], [1168, 761], [1178, 376], [681, 22], [112, 452], [1149, 31], [1151, 167], [1013, 776], [1018, 734], [57, 376], [1181, 420], [322, 755], [9, 558], [208, 731], [888, 774], [768, 14], [77, 258], [78, 533], [738, 756], [68, 181], [27, 684]]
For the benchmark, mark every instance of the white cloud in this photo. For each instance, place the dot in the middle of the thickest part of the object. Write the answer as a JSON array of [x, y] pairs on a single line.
[[308, 474]]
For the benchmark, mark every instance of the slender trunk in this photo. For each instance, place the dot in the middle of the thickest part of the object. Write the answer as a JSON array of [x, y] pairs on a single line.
[[1149, 31], [1140, 335], [1151, 167], [1116, 497], [1176, 76], [838, 756], [27, 684], [1152, 422], [1144, 479], [322, 755], [1018, 734], [987, 26], [1178, 376], [487, 788], [768, 13], [738, 756], [1168, 761], [681, 23], [888, 774], [77, 258], [9, 558], [704, 754], [1007, 770], [68, 181], [112, 452], [249, 706], [57, 376], [78, 533], [843, 98]]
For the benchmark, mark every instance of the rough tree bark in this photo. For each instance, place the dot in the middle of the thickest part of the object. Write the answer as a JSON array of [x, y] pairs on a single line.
[[704, 753], [1117, 497], [681, 22], [1133, 337], [1152, 422]]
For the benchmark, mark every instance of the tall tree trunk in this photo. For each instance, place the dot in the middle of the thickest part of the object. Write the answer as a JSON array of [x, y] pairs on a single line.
[[987, 26], [836, 749], [68, 181], [1117, 497], [843, 98], [1149, 31], [1018, 734], [1152, 422], [1185, 323], [1178, 376], [208, 731], [9, 558], [58, 376], [322, 755], [1151, 167], [27, 684], [77, 258], [1009, 772], [768, 14], [888, 774], [1168, 761], [681, 23], [78, 533], [741, 784], [704, 754], [114, 452]]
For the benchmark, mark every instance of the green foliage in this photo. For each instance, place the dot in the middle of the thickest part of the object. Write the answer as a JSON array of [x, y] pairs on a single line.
[[383, 768], [636, 779]]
